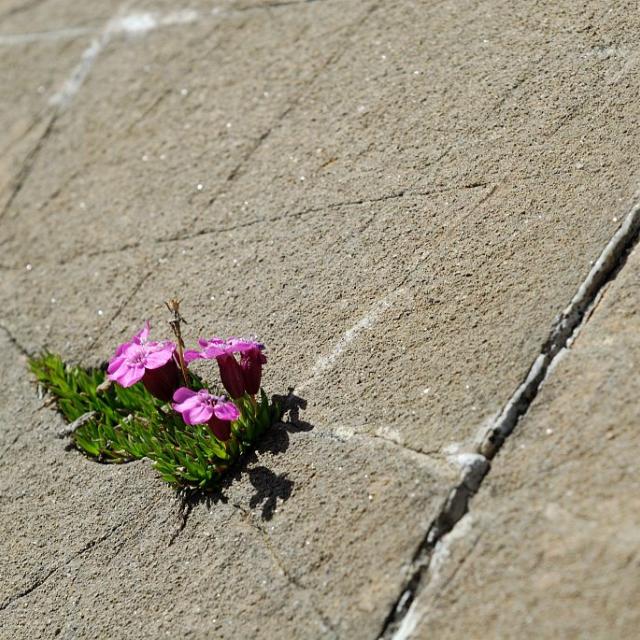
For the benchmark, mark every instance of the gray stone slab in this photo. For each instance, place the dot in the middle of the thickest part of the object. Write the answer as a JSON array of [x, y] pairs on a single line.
[[471, 93], [412, 319], [550, 546], [169, 115], [52, 510], [485, 261], [455, 193], [65, 308], [18, 17], [31, 74], [307, 543]]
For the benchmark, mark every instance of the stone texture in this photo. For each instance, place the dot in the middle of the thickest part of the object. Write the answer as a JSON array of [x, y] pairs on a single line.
[[550, 546], [406, 196], [310, 542], [19, 17], [31, 73], [486, 254], [65, 308], [190, 104]]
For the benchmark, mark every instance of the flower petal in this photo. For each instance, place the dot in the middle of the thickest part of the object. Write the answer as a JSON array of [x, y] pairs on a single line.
[[182, 394], [211, 342], [121, 347], [118, 372], [138, 338], [190, 355], [213, 351], [115, 362], [143, 334], [238, 345], [226, 411], [187, 405], [128, 375], [199, 414], [160, 355]]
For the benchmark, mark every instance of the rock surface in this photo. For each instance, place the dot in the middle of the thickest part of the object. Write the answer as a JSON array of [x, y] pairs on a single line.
[[399, 198], [550, 546]]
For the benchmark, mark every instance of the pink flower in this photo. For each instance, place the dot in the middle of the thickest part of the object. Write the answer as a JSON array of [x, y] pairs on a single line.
[[200, 407], [139, 338], [237, 377], [147, 361]]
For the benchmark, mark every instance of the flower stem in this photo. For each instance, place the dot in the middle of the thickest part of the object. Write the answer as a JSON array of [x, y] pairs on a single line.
[[174, 306]]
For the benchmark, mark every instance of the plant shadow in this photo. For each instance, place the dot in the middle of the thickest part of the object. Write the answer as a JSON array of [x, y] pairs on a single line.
[[268, 485]]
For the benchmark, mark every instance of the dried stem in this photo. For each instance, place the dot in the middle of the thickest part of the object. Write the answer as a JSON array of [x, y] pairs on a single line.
[[174, 306]]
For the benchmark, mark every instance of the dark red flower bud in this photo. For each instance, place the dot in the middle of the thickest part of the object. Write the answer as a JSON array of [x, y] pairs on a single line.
[[251, 363], [163, 381], [231, 375], [221, 429]]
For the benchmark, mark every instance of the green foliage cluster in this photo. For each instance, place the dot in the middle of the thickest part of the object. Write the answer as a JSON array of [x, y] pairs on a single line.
[[118, 425]]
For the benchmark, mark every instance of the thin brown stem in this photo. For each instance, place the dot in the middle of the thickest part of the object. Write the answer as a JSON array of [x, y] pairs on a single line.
[[174, 306]]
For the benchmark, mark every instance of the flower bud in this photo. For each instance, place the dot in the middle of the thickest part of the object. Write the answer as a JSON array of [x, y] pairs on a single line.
[[163, 381], [251, 363], [221, 429], [231, 375]]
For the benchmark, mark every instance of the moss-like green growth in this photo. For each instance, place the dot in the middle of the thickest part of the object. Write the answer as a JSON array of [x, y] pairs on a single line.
[[118, 425]]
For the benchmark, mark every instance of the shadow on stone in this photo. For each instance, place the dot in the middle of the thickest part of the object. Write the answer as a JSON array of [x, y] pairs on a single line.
[[269, 486]]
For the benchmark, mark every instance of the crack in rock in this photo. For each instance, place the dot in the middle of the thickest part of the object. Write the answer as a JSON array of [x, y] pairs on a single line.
[[456, 505], [38, 582], [605, 269], [477, 465], [27, 165], [182, 236], [184, 511], [14, 341], [278, 561]]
